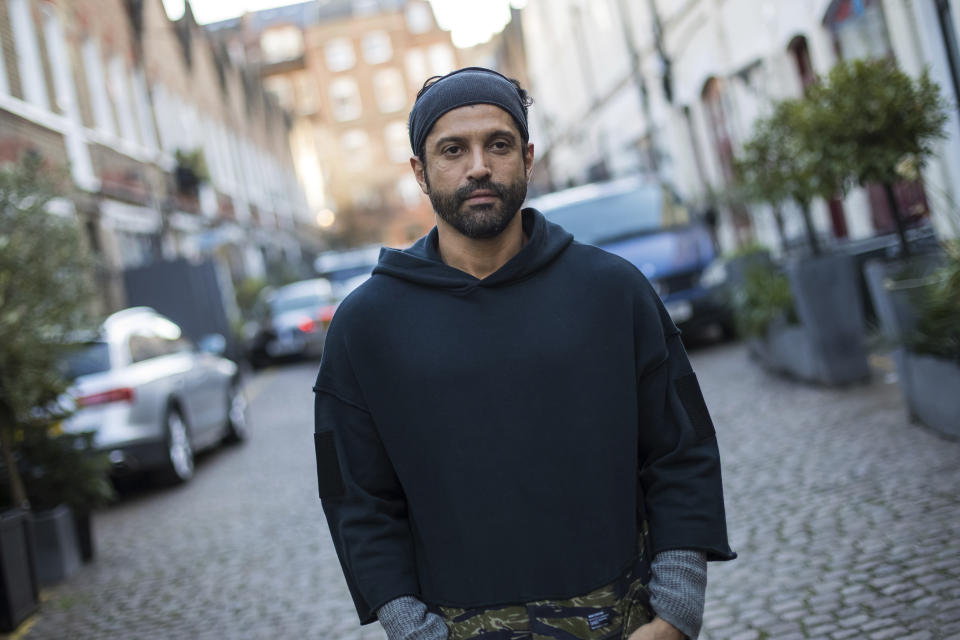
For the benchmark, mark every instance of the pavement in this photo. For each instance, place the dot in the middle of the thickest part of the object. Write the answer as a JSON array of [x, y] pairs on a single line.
[[845, 515]]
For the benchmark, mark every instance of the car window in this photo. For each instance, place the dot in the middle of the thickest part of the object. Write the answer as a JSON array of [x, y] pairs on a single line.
[[619, 215], [144, 346], [295, 303], [85, 360]]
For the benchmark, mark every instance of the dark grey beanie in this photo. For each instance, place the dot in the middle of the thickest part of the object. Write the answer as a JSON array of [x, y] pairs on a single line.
[[472, 85]]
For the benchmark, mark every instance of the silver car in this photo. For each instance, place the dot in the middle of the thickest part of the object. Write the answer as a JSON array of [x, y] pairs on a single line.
[[293, 322], [151, 397]]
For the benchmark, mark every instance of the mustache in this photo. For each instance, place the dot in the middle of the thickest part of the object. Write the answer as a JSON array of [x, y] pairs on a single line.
[[466, 191]]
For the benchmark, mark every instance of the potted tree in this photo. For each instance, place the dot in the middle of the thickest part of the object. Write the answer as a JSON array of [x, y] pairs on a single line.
[[44, 294], [886, 124], [787, 160]]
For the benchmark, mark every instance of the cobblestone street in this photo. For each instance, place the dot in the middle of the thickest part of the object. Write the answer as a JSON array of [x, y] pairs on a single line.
[[846, 518]]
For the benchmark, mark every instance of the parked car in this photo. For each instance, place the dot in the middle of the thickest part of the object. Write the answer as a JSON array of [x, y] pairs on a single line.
[[151, 397], [347, 269], [291, 322], [646, 224]]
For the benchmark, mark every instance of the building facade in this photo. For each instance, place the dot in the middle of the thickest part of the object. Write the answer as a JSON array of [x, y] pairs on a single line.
[[172, 150], [673, 89], [349, 71]]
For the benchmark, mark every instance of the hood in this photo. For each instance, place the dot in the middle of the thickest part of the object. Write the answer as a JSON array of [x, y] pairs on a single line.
[[422, 265]]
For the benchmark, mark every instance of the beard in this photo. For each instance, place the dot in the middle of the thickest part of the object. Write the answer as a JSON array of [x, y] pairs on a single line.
[[484, 220]]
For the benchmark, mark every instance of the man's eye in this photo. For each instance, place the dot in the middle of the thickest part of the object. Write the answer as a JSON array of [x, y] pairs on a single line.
[[500, 145], [452, 150]]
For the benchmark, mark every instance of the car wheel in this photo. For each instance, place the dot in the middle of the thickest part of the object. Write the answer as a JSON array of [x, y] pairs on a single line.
[[179, 450], [238, 424]]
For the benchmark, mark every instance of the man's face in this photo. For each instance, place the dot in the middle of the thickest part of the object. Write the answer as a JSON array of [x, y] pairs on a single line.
[[476, 169]]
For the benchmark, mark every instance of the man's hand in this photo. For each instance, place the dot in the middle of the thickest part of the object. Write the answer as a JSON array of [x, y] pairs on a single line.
[[659, 629]]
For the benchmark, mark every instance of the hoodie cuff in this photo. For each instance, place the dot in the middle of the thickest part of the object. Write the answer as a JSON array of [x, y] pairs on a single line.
[[406, 618], [678, 589]]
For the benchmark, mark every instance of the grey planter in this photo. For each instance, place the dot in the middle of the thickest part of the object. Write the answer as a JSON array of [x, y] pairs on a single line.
[[18, 578], [55, 539], [932, 394], [827, 346]]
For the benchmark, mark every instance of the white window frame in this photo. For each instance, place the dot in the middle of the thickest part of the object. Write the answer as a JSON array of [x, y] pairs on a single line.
[[338, 111], [338, 45], [96, 81], [121, 97], [385, 82], [78, 154], [28, 53], [377, 47], [141, 102]]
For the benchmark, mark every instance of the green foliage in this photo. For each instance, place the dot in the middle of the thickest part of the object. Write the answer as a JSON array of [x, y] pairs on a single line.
[[764, 298], [785, 157], [248, 291], [938, 310], [875, 117], [45, 286], [195, 162]]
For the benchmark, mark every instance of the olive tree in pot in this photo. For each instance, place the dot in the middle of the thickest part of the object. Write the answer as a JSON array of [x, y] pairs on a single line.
[[886, 124], [44, 295], [786, 159]]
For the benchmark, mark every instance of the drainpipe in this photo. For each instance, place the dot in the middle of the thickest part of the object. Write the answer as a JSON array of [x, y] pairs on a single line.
[[637, 73]]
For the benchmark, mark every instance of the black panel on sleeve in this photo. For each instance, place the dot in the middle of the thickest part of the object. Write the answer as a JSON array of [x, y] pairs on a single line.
[[329, 478], [692, 398]]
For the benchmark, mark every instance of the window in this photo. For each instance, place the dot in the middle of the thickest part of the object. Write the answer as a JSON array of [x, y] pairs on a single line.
[[419, 19], [417, 72], [306, 88], [441, 59], [141, 101], [376, 47], [859, 29], [388, 88], [397, 141], [355, 144], [93, 64], [345, 99], [4, 85], [281, 43], [280, 87], [120, 93], [339, 53], [28, 53]]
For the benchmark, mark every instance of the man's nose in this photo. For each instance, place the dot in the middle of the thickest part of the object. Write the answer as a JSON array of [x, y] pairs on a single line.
[[479, 170]]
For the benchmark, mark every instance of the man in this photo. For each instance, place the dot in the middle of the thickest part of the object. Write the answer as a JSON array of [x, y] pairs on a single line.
[[507, 426]]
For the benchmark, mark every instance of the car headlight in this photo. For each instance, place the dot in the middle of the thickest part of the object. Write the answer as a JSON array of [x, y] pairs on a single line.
[[714, 275]]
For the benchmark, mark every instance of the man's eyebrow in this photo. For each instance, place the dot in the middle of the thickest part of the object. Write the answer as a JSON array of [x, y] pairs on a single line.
[[445, 139], [498, 133]]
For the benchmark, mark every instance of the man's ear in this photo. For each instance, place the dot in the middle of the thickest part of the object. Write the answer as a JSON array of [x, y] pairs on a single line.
[[419, 172]]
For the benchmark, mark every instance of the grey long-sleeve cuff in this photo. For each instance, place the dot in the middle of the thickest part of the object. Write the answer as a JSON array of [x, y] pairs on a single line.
[[406, 618], [678, 589]]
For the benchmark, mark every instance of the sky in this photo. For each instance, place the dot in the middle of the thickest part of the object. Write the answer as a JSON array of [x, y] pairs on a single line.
[[470, 23]]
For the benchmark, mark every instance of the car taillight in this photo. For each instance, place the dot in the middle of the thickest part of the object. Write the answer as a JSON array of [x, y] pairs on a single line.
[[326, 314], [124, 394], [307, 326]]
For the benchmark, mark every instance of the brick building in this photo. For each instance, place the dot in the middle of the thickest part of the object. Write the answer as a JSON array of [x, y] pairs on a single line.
[[349, 71], [172, 149]]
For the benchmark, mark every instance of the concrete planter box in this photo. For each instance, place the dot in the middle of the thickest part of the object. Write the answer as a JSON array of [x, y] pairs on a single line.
[[827, 346], [19, 590], [929, 384], [932, 392], [55, 539]]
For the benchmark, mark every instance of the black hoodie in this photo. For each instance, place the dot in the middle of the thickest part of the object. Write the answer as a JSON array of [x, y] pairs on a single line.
[[495, 441]]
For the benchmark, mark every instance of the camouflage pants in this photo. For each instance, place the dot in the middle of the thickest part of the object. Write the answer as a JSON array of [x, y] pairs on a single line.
[[613, 611]]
